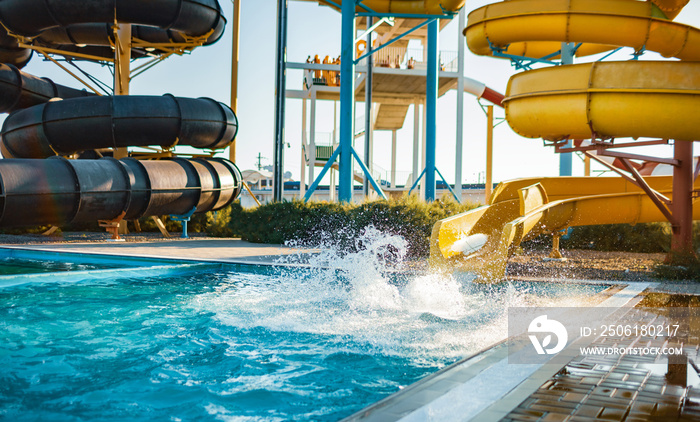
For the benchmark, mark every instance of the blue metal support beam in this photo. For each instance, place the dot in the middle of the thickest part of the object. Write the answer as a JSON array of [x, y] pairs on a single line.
[[454, 195], [184, 218], [609, 54], [329, 164], [415, 184], [347, 100], [325, 169], [431, 109], [332, 3], [371, 51], [448, 15], [566, 159], [371, 29], [359, 3], [368, 176], [280, 97]]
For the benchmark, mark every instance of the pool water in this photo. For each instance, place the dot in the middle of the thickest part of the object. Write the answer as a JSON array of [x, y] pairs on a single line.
[[246, 343], [11, 266]]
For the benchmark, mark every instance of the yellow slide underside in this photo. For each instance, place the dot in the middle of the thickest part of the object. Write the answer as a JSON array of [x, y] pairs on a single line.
[[536, 28], [606, 99], [523, 208]]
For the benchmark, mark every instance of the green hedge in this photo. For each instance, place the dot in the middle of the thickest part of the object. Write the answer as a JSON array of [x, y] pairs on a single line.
[[647, 238], [679, 267], [319, 223]]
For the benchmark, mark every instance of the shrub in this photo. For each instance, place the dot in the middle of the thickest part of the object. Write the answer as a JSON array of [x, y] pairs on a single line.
[[318, 223], [650, 237], [679, 267]]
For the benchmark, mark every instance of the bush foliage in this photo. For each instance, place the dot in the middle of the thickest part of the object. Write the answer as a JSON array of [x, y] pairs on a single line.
[[650, 238], [646, 238], [679, 267], [316, 223]]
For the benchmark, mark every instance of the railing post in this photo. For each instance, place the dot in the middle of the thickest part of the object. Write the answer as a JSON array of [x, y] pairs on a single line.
[[488, 186], [393, 158], [311, 152], [416, 140], [460, 107], [304, 163], [368, 108]]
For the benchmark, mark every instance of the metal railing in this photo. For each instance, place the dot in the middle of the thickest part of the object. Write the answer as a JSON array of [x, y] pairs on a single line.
[[390, 57]]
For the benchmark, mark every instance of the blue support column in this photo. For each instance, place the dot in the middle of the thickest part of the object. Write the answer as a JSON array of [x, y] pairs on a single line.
[[565, 159], [565, 162], [431, 108], [184, 218], [347, 100], [280, 97]]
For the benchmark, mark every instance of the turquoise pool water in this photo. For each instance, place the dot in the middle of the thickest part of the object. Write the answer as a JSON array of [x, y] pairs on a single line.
[[242, 343], [11, 265]]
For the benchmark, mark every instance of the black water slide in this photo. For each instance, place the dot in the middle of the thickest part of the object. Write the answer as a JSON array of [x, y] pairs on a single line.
[[59, 191], [48, 119], [72, 125]]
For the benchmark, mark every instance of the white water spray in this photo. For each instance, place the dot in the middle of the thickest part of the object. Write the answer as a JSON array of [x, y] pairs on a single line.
[[367, 297]]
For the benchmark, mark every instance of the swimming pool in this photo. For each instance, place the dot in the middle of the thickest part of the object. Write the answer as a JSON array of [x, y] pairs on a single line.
[[242, 342]]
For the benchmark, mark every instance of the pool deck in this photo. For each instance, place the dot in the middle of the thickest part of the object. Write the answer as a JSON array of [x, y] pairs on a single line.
[[485, 387], [629, 388], [219, 250]]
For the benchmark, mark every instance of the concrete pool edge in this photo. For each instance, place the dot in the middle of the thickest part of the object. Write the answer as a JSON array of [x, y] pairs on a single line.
[[31, 252], [480, 387]]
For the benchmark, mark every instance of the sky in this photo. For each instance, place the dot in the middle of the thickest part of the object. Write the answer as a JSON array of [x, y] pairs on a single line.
[[314, 29]]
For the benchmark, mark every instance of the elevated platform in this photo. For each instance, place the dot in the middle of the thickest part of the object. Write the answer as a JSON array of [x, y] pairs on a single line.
[[390, 86], [393, 90]]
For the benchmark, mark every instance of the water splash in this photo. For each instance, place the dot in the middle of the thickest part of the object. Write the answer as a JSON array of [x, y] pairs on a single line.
[[367, 297]]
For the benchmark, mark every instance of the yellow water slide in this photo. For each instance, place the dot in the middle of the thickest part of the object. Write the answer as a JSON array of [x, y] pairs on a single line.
[[536, 28], [481, 240], [599, 100], [609, 99], [602, 99]]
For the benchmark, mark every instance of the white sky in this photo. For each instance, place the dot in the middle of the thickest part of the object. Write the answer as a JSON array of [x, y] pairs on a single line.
[[316, 30]]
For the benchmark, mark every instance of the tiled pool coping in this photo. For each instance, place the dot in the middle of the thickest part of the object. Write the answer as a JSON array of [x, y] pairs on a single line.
[[481, 387]]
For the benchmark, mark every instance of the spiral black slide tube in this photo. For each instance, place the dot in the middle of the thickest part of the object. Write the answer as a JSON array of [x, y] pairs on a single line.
[[48, 120], [78, 124], [59, 191]]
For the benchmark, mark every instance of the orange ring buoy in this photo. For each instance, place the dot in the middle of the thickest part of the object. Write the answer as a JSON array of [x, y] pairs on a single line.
[[360, 48]]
